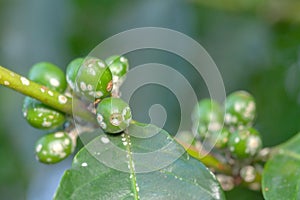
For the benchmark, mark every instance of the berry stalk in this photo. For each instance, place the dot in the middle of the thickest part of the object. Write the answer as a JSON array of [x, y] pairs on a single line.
[[43, 94], [207, 159]]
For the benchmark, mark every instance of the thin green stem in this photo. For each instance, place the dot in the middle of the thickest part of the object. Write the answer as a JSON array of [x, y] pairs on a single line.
[[48, 97], [207, 159], [64, 104]]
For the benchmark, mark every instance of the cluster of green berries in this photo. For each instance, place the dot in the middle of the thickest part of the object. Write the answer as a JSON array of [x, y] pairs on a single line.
[[229, 127], [89, 79]]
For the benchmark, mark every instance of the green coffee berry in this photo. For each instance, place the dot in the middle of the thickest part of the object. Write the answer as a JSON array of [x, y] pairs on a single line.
[[49, 75], [207, 117], [219, 138], [72, 70], [113, 115], [53, 147], [118, 66], [245, 143], [240, 109], [94, 79], [41, 116]]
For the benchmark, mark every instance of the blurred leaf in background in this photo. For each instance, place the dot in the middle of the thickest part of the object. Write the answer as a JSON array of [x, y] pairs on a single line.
[[272, 10], [13, 179]]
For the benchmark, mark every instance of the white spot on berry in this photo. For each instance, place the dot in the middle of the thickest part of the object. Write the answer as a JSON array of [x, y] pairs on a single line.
[[6, 83], [101, 64], [98, 94], [123, 60], [105, 140], [38, 148], [92, 93], [251, 106], [238, 106], [12, 74], [49, 160], [91, 71], [89, 87], [50, 93], [62, 155], [116, 69], [237, 140], [115, 119], [46, 124], [249, 112], [99, 118], [66, 141], [84, 164], [62, 99], [54, 82], [59, 135], [126, 113], [103, 125], [57, 148], [42, 90], [24, 81], [253, 143], [83, 86]]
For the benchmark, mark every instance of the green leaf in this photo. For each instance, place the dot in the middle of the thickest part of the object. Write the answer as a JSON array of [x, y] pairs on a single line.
[[281, 177], [136, 170]]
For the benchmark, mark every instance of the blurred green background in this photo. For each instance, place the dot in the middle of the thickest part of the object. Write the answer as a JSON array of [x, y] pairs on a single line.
[[255, 44]]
